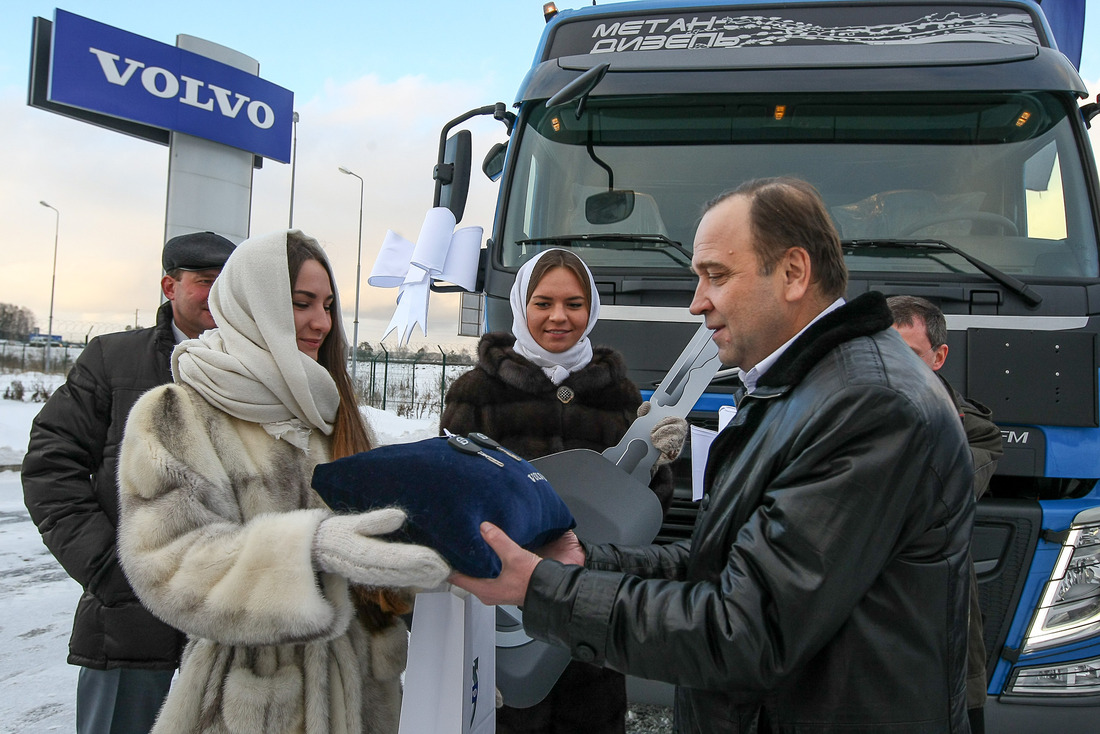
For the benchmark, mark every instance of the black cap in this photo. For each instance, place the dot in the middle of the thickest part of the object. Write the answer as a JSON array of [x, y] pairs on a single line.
[[196, 251]]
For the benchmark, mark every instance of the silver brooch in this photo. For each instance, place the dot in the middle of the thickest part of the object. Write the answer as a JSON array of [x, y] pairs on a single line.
[[565, 394]]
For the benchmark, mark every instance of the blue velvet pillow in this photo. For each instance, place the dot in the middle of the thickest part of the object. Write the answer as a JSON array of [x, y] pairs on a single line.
[[448, 494]]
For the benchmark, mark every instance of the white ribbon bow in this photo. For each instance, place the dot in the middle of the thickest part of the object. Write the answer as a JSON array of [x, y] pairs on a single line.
[[440, 253]]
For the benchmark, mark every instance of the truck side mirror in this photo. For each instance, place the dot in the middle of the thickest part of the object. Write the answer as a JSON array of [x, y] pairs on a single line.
[[609, 207], [493, 165], [453, 174], [579, 89]]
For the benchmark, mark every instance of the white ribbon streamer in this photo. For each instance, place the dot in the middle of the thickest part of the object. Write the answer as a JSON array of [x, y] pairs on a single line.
[[440, 254]]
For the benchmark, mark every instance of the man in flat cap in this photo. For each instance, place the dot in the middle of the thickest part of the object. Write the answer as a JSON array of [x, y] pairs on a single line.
[[126, 655]]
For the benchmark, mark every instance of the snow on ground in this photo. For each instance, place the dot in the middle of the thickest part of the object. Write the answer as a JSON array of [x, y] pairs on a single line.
[[390, 428], [16, 417], [37, 600], [37, 597]]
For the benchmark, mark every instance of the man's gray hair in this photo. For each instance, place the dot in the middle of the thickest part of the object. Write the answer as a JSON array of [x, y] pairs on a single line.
[[907, 308]]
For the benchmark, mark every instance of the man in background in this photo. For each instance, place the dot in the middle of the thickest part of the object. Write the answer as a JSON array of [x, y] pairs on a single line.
[[924, 328], [126, 655]]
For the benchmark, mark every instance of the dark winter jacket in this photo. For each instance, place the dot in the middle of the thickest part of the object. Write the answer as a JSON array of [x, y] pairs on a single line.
[[70, 486], [825, 586], [511, 399], [984, 438]]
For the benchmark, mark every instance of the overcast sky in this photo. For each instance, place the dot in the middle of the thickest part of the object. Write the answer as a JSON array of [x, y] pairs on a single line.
[[373, 84]]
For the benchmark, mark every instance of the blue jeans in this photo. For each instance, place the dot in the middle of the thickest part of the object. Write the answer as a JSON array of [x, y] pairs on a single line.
[[119, 701]]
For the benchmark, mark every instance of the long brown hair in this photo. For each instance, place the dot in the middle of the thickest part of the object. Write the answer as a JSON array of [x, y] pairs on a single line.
[[349, 433], [377, 608]]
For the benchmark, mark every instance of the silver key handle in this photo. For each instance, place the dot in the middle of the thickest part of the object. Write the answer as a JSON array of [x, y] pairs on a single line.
[[676, 395]]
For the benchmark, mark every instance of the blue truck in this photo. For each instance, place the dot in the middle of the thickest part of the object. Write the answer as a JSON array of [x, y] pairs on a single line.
[[949, 141]]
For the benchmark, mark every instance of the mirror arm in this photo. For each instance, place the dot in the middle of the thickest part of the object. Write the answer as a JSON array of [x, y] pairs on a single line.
[[444, 173], [441, 170], [601, 164], [500, 112], [1090, 111]]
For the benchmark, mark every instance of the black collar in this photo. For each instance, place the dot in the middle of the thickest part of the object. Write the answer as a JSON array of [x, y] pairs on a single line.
[[865, 315]]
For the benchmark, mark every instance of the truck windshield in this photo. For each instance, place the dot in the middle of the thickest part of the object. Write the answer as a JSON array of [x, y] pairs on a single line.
[[997, 175]]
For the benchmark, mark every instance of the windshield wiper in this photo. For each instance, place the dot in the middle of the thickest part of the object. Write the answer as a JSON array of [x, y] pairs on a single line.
[[1018, 287], [658, 239]]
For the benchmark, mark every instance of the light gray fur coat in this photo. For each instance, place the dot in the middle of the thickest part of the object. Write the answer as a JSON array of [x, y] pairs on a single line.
[[218, 520]]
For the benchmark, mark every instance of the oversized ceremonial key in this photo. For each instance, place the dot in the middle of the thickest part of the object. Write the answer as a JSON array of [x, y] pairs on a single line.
[[482, 440], [467, 446], [624, 510], [610, 498]]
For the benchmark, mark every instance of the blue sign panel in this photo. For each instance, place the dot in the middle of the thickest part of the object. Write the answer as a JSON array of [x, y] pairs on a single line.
[[103, 69]]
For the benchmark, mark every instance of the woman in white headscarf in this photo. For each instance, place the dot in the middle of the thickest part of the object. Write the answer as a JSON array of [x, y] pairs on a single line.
[[291, 612], [544, 388]]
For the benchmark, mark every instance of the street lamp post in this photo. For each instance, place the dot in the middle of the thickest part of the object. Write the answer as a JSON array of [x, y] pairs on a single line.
[[358, 263], [293, 165], [53, 281]]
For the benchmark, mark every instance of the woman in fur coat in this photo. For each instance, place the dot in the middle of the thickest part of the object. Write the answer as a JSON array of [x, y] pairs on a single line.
[[542, 389], [222, 536]]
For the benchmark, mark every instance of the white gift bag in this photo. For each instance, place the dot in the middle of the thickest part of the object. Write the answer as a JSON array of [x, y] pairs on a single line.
[[450, 679]]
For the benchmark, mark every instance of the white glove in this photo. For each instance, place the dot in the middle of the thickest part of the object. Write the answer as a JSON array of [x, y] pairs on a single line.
[[668, 438], [667, 435], [343, 545]]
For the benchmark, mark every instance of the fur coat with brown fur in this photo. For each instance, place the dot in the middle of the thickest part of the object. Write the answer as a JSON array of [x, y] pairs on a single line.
[[218, 521]]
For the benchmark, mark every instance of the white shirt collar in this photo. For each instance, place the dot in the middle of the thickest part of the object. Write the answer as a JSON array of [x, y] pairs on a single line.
[[752, 376], [180, 336]]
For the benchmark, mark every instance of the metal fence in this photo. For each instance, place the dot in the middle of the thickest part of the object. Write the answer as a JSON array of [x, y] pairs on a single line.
[[409, 386], [18, 356], [80, 332]]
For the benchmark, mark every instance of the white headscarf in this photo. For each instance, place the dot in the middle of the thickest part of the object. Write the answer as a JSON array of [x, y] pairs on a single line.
[[557, 366], [250, 366]]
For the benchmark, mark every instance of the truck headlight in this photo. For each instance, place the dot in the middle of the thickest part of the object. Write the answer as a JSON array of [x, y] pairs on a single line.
[[1070, 606], [1081, 677]]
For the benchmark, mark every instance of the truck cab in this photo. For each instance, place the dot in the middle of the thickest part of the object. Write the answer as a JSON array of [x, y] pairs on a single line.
[[950, 145]]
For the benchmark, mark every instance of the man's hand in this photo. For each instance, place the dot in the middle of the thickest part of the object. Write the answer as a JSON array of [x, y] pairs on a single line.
[[517, 565], [566, 549]]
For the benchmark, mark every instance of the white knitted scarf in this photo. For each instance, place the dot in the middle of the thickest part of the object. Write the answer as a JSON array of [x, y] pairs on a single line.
[[557, 366], [250, 366]]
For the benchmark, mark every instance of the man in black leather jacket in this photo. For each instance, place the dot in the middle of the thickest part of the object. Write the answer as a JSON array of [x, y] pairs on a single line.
[[127, 656], [825, 585]]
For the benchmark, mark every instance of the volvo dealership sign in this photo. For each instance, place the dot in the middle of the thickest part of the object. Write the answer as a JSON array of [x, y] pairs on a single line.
[[107, 71]]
